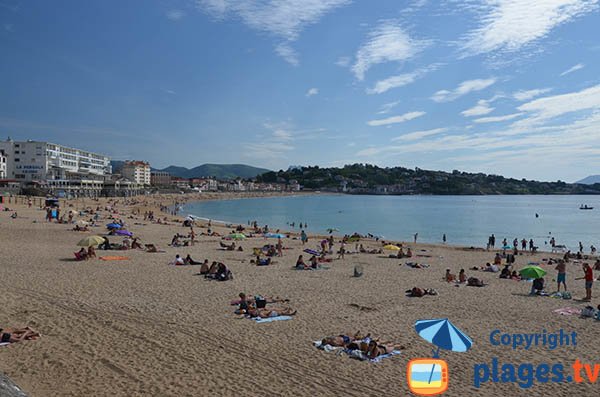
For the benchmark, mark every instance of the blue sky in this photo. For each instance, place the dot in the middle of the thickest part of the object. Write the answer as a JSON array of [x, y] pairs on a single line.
[[507, 87]]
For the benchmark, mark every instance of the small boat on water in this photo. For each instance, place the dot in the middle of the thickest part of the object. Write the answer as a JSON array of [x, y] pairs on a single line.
[[585, 207]]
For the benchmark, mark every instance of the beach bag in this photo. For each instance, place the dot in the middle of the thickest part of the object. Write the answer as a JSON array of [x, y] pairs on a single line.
[[566, 295], [261, 302], [588, 311]]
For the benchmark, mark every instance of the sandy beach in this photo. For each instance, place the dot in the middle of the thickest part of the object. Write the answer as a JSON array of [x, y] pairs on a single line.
[[142, 327]]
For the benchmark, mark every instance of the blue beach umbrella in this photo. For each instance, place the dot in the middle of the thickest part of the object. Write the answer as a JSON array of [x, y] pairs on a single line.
[[443, 334], [113, 226]]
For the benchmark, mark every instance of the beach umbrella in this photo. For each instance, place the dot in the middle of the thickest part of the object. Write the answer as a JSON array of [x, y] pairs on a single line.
[[90, 241], [123, 233], [443, 334], [113, 226], [532, 272], [237, 236], [391, 247]]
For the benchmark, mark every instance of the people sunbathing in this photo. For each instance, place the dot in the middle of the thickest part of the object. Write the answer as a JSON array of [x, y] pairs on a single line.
[[475, 282], [343, 340], [266, 313], [228, 247], [91, 252], [262, 262], [417, 292], [449, 277], [189, 261], [14, 335]]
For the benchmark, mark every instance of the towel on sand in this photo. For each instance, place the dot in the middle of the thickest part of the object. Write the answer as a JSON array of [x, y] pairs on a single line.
[[114, 258], [4, 344], [353, 353], [568, 311], [270, 319]]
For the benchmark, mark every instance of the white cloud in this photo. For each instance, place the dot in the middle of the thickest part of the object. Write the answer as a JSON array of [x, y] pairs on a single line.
[[547, 108], [288, 54], [482, 107], [530, 94], [388, 42], [463, 89], [509, 25], [495, 119], [175, 15], [413, 136], [343, 62], [312, 91], [573, 69], [396, 119], [386, 107], [400, 80], [283, 19]]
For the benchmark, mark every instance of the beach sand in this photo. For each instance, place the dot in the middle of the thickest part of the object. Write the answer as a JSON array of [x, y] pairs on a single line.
[[141, 327]]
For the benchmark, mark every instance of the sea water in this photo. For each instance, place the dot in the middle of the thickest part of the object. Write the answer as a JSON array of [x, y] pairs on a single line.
[[465, 220]]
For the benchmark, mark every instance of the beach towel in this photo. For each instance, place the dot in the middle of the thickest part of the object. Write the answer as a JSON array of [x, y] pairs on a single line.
[[568, 311], [312, 252], [114, 258], [4, 344], [270, 319], [357, 354]]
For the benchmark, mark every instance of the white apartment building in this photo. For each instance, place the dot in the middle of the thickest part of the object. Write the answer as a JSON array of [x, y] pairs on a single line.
[[28, 161], [137, 171], [2, 165]]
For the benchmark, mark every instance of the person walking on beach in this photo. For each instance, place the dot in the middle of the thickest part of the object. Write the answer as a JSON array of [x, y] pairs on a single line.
[[303, 237], [444, 238], [416, 236], [562, 274], [589, 281], [580, 247]]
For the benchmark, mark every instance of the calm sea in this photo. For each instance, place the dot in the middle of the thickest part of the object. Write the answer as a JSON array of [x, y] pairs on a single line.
[[466, 220]]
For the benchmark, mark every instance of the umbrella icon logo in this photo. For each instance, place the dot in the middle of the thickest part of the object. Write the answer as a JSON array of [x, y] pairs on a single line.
[[429, 376]]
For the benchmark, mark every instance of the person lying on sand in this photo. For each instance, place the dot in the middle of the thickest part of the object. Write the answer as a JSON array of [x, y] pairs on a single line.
[[376, 349], [151, 248], [228, 247], [14, 335], [343, 340], [475, 282], [261, 262], [189, 261], [266, 313], [420, 292]]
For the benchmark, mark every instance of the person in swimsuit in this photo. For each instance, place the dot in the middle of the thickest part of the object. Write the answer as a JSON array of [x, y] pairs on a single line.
[[266, 313], [14, 335], [342, 340], [376, 349]]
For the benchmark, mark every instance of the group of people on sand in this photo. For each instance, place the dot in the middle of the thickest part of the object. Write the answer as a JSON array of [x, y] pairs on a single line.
[[401, 254], [370, 347], [313, 263], [216, 271], [256, 307]]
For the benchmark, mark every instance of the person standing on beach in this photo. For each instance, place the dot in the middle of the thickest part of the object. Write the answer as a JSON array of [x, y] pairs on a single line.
[[562, 274], [580, 247], [416, 236], [444, 238], [279, 247], [303, 237], [589, 281]]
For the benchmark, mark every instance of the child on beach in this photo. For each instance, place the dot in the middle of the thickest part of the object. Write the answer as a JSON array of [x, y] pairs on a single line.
[[562, 274]]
